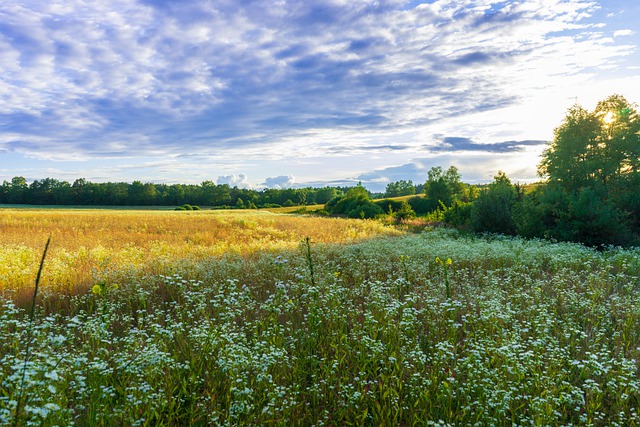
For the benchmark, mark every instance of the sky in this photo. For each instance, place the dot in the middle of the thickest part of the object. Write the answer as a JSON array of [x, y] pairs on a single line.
[[290, 93]]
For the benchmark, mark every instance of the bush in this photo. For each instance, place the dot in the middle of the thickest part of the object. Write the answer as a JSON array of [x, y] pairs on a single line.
[[187, 207], [593, 220], [492, 210], [404, 212], [390, 206], [422, 205], [458, 214], [365, 210]]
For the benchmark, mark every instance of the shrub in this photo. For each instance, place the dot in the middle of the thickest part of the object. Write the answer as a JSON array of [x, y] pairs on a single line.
[[492, 210], [458, 214], [422, 206], [390, 206], [365, 210]]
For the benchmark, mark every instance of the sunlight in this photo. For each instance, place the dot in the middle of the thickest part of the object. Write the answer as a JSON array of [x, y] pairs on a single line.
[[609, 118]]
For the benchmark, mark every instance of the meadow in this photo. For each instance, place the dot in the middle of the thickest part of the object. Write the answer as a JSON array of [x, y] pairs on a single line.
[[213, 318], [90, 246]]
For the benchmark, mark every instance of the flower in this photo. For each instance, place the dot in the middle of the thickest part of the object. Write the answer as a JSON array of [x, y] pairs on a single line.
[[97, 289]]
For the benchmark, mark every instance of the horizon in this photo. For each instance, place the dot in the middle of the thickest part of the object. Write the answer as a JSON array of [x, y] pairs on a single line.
[[301, 93]]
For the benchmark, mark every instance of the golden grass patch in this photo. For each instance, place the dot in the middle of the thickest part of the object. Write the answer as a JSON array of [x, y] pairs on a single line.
[[86, 244]]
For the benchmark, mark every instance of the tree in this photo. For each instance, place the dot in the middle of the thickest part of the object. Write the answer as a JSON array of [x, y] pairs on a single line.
[[443, 186], [356, 203], [492, 211], [17, 190], [323, 195], [594, 162], [400, 188]]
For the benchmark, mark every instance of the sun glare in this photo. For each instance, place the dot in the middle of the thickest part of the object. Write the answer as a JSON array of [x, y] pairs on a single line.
[[609, 118]]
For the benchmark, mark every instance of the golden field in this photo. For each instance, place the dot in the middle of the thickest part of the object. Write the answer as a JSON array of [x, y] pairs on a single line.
[[91, 245]]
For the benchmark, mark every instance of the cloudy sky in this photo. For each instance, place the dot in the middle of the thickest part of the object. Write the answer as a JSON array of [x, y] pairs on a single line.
[[267, 93]]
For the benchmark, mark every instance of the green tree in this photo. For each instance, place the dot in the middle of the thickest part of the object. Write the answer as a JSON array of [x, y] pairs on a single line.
[[400, 188], [443, 186], [323, 195], [492, 211], [17, 190], [356, 203], [594, 161]]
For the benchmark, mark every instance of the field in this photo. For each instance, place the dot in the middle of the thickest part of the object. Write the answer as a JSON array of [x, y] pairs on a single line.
[[214, 318], [92, 246]]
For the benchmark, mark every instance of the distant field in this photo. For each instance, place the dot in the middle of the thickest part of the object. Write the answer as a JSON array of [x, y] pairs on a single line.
[[88, 245]]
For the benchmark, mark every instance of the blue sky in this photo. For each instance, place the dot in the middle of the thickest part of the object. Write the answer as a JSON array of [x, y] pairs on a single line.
[[278, 93]]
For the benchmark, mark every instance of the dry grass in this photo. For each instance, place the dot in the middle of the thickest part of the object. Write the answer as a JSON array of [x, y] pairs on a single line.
[[87, 245]]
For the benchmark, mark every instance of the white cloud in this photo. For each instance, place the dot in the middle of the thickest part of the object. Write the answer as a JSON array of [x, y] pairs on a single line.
[[284, 181], [240, 181], [622, 33]]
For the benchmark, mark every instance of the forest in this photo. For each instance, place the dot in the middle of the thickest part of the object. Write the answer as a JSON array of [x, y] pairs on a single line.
[[50, 191]]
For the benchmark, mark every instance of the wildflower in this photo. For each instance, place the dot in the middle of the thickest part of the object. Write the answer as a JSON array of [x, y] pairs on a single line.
[[449, 262], [280, 260], [97, 289], [336, 274]]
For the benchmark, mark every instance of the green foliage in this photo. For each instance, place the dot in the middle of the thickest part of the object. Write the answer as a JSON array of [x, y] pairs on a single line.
[[50, 191], [422, 205], [443, 186], [593, 171], [492, 211], [187, 207], [400, 188], [593, 220], [358, 192], [458, 214], [403, 212], [390, 206], [356, 203], [534, 214], [364, 210]]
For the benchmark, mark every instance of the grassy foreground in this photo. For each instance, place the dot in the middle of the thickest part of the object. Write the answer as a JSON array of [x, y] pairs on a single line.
[[386, 331]]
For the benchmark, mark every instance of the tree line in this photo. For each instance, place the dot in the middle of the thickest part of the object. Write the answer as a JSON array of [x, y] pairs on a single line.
[[50, 191]]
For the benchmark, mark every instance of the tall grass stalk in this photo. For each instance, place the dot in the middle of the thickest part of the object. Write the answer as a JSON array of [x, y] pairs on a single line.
[[32, 316], [307, 244]]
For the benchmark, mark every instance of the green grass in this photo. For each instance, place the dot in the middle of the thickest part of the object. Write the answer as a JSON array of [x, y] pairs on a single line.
[[532, 333]]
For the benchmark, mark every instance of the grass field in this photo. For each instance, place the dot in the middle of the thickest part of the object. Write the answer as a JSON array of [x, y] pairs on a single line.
[[385, 328], [119, 245]]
